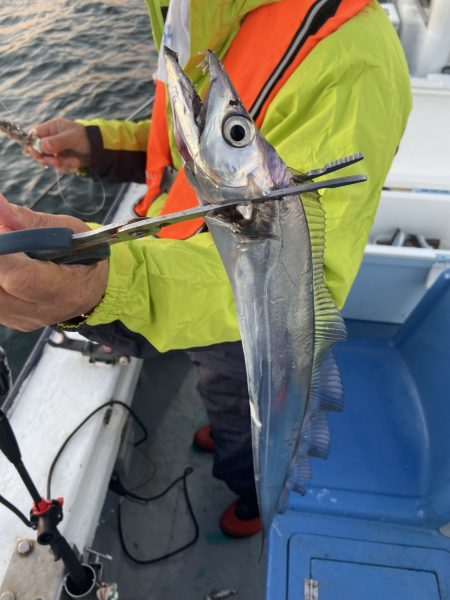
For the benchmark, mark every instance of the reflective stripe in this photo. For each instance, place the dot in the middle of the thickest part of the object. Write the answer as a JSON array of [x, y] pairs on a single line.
[[302, 33]]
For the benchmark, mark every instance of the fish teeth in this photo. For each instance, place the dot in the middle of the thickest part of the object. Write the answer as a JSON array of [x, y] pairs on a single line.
[[245, 210]]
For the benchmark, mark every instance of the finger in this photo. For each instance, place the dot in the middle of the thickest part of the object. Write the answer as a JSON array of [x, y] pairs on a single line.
[[57, 292], [18, 314], [48, 161], [68, 164], [14, 217], [32, 281], [57, 143], [8, 219], [29, 151], [68, 170], [51, 127]]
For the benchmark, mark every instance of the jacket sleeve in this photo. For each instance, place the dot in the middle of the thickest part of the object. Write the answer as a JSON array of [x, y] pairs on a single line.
[[174, 293], [346, 97], [118, 149]]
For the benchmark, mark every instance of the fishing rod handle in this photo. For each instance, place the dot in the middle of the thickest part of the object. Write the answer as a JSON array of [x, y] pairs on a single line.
[[8, 442]]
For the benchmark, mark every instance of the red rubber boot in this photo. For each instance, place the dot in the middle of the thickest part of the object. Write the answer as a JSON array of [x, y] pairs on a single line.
[[241, 519], [203, 440]]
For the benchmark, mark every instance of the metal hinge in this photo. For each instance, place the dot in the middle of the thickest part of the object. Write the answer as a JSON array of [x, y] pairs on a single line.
[[95, 352], [311, 589]]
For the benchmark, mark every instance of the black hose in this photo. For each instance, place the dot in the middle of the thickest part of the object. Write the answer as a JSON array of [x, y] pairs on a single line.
[[15, 510], [134, 497]]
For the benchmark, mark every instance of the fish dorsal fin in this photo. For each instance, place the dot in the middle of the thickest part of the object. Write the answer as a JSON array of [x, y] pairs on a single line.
[[326, 391], [329, 325], [297, 176]]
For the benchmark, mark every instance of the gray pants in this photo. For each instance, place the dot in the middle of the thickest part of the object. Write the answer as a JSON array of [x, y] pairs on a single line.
[[223, 388]]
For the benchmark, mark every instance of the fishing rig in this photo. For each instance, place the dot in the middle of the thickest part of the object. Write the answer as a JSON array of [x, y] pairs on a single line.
[[68, 575]]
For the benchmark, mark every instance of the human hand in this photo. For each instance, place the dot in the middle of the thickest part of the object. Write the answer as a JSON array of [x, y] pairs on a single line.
[[35, 293], [65, 145]]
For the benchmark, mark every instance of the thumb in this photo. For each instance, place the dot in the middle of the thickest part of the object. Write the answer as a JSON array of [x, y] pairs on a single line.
[[57, 143]]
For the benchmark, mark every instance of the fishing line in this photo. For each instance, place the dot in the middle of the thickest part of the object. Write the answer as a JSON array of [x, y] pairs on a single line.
[[148, 104], [6, 108], [75, 208], [33, 203]]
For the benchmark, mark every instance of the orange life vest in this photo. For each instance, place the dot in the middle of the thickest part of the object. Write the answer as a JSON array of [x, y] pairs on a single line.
[[270, 45]]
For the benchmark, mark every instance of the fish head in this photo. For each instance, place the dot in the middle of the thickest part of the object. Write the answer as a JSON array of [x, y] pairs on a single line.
[[225, 157]]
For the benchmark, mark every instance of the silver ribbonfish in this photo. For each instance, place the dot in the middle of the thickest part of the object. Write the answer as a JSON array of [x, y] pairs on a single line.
[[273, 255]]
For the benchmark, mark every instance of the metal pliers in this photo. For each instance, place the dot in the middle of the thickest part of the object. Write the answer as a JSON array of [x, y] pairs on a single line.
[[62, 245]]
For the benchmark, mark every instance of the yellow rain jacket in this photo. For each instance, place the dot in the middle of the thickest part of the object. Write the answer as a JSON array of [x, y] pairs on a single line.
[[350, 94]]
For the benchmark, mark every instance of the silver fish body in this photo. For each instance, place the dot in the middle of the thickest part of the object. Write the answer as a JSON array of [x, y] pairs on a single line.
[[273, 255]]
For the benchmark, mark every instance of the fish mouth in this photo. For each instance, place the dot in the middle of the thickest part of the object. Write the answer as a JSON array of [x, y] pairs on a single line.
[[190, 113], [224, 156], [186, 107]]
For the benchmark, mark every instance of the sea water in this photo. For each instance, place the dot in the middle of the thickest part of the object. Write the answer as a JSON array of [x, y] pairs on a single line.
[[71, 59]]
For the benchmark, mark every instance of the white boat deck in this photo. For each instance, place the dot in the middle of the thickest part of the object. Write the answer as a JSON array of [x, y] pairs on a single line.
[[166, 399], [45, 411]]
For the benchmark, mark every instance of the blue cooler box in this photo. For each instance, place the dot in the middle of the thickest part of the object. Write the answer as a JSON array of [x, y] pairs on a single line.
[[372, 523]]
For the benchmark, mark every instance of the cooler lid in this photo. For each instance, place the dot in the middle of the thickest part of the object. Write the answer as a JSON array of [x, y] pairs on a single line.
[[371, 582], [322, 567], [422, 161]]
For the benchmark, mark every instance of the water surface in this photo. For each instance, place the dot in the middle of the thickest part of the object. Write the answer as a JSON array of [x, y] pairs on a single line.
[[73, 59]]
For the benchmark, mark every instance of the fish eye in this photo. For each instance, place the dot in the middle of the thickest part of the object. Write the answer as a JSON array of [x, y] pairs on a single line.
[[238, 130]]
